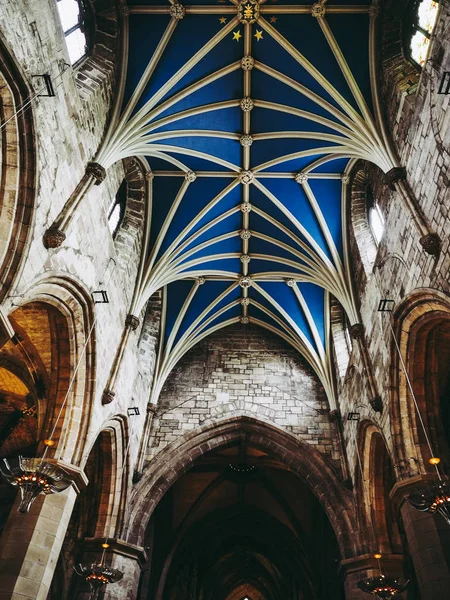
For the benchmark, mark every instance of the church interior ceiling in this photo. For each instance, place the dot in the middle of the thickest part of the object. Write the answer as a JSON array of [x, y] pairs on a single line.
[[250, 116]]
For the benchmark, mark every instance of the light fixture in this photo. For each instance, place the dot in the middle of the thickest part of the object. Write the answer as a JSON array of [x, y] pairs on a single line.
[[34, 476], [382, 586], [99, 574], [434, 497]]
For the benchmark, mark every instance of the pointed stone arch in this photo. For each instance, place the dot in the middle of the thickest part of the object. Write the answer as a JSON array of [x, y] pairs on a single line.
[[17, 171], [73, 305], [379, 479], [298, 457], [415, 319]]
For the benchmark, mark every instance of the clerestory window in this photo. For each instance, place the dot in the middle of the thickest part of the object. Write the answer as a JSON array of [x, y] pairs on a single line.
[[375, 217], [72, 14], [348, 338], [116, 211], [424, 17]]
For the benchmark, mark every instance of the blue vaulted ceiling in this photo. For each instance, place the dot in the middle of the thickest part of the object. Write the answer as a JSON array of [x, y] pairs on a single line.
[[248, 127]]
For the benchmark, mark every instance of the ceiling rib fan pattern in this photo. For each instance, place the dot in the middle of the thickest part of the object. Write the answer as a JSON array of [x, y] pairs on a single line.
[[249, 115]]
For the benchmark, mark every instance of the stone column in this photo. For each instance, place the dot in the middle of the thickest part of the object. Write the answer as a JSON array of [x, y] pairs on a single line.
[[429, 543], [131, 324], [55, 235], [360, 567], [151, 411], [31, 543], [357, 333], [30, 546], [120, 555], [430, 241]]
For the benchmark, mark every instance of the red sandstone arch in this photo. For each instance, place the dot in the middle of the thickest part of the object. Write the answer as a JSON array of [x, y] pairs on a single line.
[[379, 478], [299, 457], [75, 348], [416, 316], [112, 443], [17, 171]]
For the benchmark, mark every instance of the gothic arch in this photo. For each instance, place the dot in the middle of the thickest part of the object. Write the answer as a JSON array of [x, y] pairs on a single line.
[[379, 479], [73, 304], [100, 68], [417, 317], [112, 443], [129, 239], [98, 510], [358, 220], [338, 334], [299, 457], [17, 170]]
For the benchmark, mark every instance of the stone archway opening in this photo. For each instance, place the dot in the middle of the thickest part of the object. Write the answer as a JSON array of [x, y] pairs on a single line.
[[429, 367], [240, 523], [33, 379]]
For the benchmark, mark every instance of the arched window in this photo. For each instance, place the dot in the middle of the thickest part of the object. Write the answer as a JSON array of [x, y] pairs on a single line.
[[348, 337], [117, 209], [72, 14], [375, 217], [424, 15]]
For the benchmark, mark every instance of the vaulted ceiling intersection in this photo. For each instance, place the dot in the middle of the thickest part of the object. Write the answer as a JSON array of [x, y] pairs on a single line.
[[250, 116]]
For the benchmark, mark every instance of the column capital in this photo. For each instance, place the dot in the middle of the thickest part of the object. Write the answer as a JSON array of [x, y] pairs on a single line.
[[116, 546], [78, 476], [357, 331], [431, 243], [366, 562], [132, 322], [404, 487], [96, 170], [395, 175], [335, 415], [53, 238], [377, 404], [108, 396]]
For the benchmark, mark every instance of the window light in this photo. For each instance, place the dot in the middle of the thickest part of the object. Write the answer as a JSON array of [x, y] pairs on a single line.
[[71, 15], [376, 221], [423, 24]]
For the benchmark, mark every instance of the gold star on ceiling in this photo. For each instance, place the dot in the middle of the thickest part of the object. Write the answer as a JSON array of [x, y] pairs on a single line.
[[223, 20], [273, 19], [258, 35], [237, 35]]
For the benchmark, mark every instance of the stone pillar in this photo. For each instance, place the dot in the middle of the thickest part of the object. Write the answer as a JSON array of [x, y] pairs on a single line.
[[151, 411], [131, 324], [120, 555], [357, 333], [430, 241], [30, 546], [56, 234], [31, 543], [429, 543], [360, 567]]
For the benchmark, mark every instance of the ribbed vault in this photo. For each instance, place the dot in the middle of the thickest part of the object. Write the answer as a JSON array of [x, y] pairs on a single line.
[[239, 525], [250, 116]]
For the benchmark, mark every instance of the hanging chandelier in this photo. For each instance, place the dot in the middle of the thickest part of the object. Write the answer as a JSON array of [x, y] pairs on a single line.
[[34, 476], [433, 498], [98, 574], [382, 586]]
